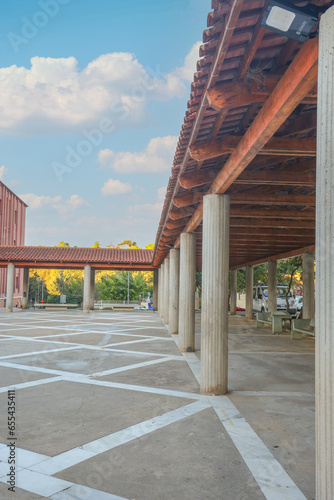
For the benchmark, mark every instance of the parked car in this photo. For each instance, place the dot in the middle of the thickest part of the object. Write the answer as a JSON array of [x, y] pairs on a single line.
[[260, 299], [299, 304]]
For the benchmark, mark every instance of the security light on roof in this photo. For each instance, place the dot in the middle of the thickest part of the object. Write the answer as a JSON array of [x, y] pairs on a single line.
[[291, 21]]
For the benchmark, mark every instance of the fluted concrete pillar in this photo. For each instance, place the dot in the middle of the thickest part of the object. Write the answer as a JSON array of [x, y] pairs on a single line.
[[233, 292], [215, 274], [166, 291], [308, 285], [86, 291], [159, 290], [162, 288], [155, 289], [324, 313], [187, 292], [174, 279], [272, 286], [92, 289], [249, 292], [10, 287], [25, 296]]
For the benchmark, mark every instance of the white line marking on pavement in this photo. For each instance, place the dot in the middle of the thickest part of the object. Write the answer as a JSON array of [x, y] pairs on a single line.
[[22, 355], [76, 455], [134, 366], [137, 388], [273, 480], [32, 383]]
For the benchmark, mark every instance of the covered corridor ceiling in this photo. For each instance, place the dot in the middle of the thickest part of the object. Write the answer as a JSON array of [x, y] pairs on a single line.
[[250, 132]]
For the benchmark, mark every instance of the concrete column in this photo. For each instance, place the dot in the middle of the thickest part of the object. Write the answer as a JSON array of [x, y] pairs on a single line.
[[162, 287], [308, 285], [25, 297], [215, 274], [324, 313], [10, 287], [166, 291], [86, 292], [272, 286], [159, 289], [92, 289], [187, 292], [174, 279], [233, 292], [155, 289], [249, 292]]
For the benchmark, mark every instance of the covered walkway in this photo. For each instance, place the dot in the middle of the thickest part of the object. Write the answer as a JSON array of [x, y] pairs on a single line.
[[109, 408]]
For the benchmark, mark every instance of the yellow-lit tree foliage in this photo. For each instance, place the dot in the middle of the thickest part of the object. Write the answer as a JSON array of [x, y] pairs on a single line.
[[55, 278]]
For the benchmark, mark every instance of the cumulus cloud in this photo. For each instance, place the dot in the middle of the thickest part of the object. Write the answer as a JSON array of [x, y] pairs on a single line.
[[147, 209], [3, 171], [54, 95], [36, 202], [115, 187], [186, 72], [156, 158], [162, 193], [70, 205]]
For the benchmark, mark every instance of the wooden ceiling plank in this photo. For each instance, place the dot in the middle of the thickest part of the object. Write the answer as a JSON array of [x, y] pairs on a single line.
[[190, 181], [285, 255], [277, 146], [298, 80], [239, 222]]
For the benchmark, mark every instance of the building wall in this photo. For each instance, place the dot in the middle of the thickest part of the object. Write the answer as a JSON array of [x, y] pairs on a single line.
[[12, 232]]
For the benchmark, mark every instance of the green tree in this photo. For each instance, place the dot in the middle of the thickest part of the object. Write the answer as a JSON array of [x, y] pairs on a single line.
[[288, 273]]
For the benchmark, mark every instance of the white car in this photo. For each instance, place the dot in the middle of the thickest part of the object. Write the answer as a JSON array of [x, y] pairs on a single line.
[[260, 299], [299, 303]]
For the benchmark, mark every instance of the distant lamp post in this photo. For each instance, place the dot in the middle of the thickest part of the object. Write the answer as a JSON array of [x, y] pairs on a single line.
[[128, 287], [291, 21], [39, 278]]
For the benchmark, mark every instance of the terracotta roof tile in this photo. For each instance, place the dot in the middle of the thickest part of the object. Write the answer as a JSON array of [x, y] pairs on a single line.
[[76, 255]]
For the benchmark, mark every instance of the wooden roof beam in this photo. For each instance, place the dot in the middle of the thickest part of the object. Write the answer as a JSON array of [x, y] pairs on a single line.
[[189, 181], [275, 212], [188, 199], [173, 224], [285, 255], [258, 198], [272, 231], [181, 213], [280, 146], [244, 93], [239, 222], [298, 80], [278, 177]]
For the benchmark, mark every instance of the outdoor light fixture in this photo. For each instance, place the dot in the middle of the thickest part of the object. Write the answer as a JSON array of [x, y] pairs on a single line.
[[289, 20]]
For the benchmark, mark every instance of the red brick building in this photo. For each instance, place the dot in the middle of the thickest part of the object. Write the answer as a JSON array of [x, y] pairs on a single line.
[[12, 232]]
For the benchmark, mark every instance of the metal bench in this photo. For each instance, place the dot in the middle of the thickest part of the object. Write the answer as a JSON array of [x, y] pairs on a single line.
[[263, 318], [302, 326], [55, 307]]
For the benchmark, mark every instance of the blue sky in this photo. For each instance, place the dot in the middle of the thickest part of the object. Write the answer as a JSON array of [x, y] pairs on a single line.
[[92, 98]]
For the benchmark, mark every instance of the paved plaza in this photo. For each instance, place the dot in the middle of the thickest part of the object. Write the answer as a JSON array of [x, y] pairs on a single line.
[[108, 408]]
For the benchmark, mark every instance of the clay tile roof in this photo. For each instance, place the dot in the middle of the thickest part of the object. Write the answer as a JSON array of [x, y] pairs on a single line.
[[76, 255]]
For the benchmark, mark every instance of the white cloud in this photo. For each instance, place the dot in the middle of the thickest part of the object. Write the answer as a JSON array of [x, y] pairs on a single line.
[[186, 72], [3, 171], [54, 95], [152, 209], [70, 205], [115, 187], [157, 157], [162, 193], [36, 202]]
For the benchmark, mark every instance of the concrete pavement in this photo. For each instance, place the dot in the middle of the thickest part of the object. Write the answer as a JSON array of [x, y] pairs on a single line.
[[108, 408]]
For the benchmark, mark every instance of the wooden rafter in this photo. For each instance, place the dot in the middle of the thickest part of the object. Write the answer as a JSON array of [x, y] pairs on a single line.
[[277, 146], [298, 80]]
